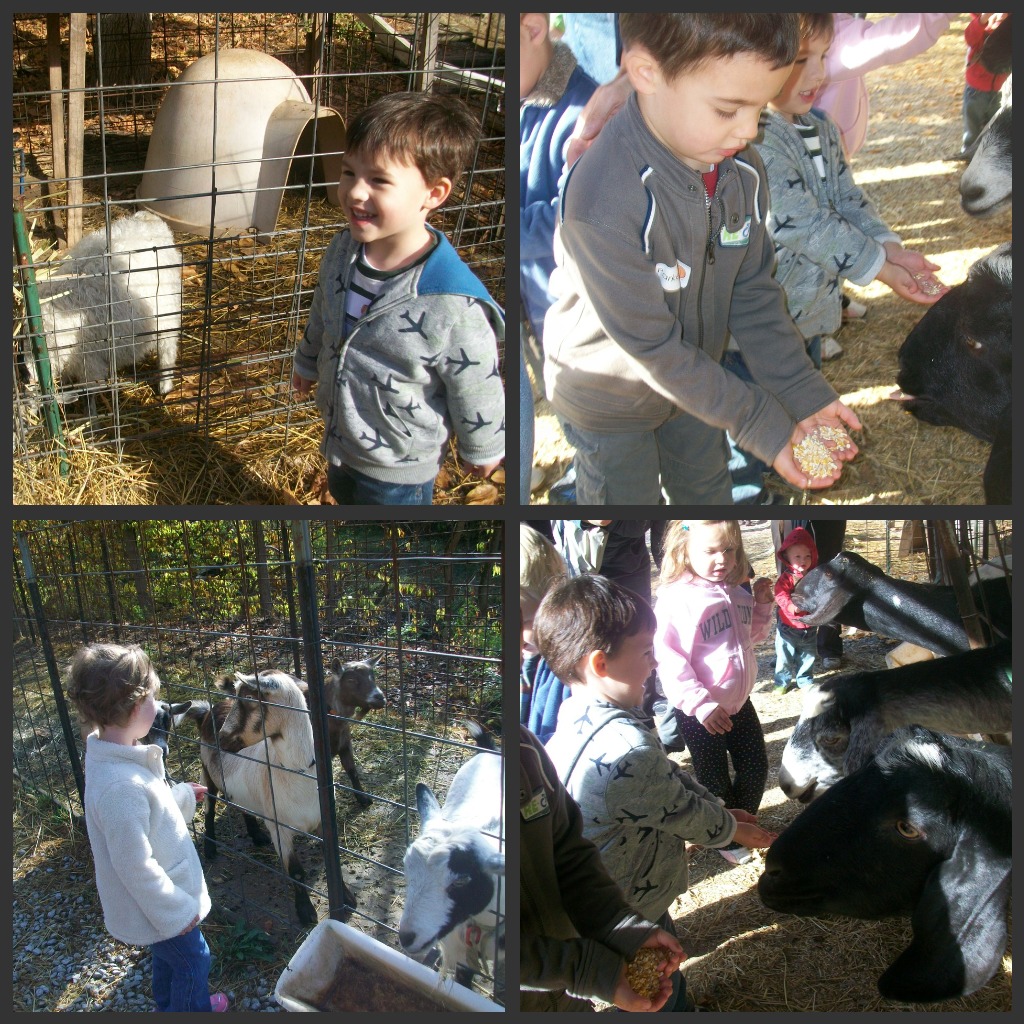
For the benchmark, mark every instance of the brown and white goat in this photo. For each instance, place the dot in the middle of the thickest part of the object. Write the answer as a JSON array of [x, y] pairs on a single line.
[[351, 690], [257, 751]]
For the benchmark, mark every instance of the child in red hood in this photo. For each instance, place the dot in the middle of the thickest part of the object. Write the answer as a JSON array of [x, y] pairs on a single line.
[[795, 643]]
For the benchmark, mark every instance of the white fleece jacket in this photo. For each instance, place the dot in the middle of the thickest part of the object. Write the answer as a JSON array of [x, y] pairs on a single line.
[[148, 874]]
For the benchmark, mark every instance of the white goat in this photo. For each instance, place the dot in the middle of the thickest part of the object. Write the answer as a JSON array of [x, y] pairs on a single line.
[[455, 895], [103, 306], [258, 752]]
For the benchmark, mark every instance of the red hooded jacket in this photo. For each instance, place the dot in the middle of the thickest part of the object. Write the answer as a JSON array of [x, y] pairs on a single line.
[[791, 576]]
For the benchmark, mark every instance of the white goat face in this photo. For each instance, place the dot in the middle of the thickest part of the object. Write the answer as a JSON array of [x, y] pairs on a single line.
[[449, 879], [813, 758]]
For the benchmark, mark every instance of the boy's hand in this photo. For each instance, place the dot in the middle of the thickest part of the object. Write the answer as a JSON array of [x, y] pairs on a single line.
[[626, 999], [718, 722], [300, 385], [753, 836], [910, 275], [763, 591], [833, 415], [607, 99], [483, 471]]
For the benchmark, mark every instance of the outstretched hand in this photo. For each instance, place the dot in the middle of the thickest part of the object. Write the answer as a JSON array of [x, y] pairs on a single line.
[[911, 275], [626, 999], [836, 414]]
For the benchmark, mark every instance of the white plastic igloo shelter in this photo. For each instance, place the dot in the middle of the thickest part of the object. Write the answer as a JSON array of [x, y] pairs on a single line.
[[223, 143]]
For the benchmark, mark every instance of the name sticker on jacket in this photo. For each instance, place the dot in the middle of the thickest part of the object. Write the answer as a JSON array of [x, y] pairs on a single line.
[[673, 278], [735, 238], [536, 807]]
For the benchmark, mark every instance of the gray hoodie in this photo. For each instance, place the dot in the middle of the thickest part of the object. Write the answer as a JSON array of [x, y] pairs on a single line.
[[651, 280], [639, 807]]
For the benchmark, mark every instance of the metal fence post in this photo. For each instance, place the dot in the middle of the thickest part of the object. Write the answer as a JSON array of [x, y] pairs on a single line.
[[70, 732], [318, 711]]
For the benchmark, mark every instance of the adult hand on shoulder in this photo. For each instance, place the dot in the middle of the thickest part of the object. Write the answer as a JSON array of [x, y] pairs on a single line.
[[626, 999], [607, 99]]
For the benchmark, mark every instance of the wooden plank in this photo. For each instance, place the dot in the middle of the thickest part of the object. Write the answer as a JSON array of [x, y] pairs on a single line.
[[57, 137], [76, 126]]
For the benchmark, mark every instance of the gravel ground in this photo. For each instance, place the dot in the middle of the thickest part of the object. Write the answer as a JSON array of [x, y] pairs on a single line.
[[65, 930]]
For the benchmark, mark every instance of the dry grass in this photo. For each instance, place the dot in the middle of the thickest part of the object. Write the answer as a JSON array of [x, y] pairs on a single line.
[[915, 122], [231, 431]]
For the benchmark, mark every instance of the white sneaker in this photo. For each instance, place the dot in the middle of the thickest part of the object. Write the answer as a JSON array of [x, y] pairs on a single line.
[[854, 310], [830, 348], [741, 855]]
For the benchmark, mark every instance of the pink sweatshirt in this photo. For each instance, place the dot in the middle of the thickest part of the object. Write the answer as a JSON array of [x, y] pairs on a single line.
[[861, 45], [704, 644]]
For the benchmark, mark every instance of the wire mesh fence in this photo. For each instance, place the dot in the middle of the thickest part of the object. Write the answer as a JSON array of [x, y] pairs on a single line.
[[421, 602], [231, 128]]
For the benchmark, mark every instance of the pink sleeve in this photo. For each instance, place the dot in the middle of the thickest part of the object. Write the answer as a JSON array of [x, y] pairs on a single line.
[[675, 666], [861, 45], [761, 623]]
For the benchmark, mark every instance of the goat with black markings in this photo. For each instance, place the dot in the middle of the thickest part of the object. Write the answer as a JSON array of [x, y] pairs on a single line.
[[845, 718], [956, 365], [851, 590], [257, 751], [455, 893], [923, 829]]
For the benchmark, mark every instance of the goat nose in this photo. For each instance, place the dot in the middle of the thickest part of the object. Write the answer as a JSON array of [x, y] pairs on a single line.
[[407, 938]]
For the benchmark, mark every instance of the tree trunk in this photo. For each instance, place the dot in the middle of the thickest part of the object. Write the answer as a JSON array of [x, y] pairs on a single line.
[[262, 571], [125, 48]]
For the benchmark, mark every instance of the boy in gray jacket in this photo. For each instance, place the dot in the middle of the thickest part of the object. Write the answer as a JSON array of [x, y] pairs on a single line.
[[663, 251], [402, 336], [639, 807]]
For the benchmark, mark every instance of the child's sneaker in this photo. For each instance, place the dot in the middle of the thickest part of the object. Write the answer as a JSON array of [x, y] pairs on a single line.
[[830, 348], [736, 855], [854, 310], [781, 689], [219, 1002]]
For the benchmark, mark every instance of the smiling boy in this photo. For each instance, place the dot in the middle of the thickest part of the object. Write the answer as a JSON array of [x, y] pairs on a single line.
[[402, 336], [663, 251], [639, 808]]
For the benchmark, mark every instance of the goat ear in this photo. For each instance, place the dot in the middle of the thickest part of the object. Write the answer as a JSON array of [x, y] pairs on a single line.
[[178, 711], [426, 803], [865, 735], [959, 928], [336, 666]]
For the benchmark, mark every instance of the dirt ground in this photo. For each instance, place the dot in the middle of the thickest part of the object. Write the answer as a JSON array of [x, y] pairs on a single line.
[[915, 123], [745, 957]]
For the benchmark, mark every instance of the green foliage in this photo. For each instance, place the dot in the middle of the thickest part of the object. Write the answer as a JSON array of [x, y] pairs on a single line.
[[240, 943]]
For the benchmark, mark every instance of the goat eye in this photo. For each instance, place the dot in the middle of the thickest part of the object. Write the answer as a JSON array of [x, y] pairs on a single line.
[[834, 741], [972, 343], [459, 882], [907, 830]]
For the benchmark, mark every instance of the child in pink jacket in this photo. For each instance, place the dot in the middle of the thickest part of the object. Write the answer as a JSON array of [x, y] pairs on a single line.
[[860, 45], [707, 627]]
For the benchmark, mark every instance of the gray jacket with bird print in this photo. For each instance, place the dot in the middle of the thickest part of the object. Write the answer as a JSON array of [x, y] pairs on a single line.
[[639, 807], [419, 365]]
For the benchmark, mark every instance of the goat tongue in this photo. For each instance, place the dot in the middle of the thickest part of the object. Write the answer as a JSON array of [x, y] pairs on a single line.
[[900, 396]]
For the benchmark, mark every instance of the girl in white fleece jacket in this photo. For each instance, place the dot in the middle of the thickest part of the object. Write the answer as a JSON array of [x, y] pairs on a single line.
[[148, 875]]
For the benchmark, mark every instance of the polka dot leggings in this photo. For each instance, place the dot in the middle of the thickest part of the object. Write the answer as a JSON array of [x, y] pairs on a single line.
[[711, 752]]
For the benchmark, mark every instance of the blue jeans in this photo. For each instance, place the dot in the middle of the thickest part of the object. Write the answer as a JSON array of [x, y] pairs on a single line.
[[795, 651], [181, 971], [592, 39], [348, 487], [745, 469], [525, 429]]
